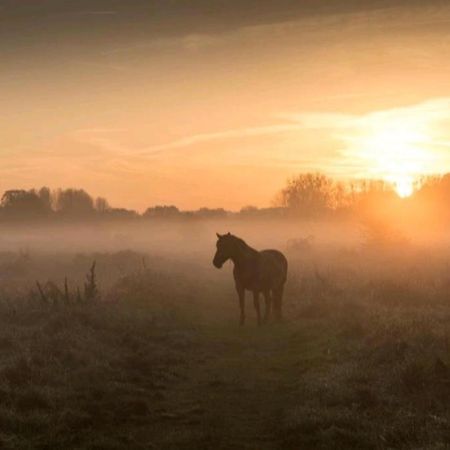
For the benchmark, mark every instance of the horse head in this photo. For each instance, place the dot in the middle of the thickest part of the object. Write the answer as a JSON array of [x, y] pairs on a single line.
[[225, 249]]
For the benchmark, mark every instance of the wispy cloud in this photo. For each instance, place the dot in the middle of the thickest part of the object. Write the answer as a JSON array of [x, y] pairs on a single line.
[[100, 130], [104, 66], [191, 42], [310, 28], [432, 110], [222, 135], [407, 139]]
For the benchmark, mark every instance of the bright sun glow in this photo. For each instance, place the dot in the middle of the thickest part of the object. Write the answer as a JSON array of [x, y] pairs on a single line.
[[395, 151], [404, 187], [397, 156]]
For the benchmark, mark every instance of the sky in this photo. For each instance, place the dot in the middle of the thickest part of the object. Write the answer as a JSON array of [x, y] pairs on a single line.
[[217, 102]]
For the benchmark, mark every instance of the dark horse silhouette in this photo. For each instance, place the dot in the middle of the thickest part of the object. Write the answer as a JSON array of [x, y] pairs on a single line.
[[260, 272]]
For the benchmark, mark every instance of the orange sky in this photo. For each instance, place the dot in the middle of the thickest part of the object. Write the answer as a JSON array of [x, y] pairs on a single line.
[[200, 107]]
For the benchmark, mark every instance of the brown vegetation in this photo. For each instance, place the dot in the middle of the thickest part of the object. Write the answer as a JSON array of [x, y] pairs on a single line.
[[362, 360], [142, 350]]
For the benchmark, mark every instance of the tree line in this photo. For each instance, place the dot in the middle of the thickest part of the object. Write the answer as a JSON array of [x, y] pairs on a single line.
[[308, 195], [77, 204], [317, 195], [43, 203]]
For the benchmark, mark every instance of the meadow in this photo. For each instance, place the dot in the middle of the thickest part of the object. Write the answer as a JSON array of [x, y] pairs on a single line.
[[147, 353]]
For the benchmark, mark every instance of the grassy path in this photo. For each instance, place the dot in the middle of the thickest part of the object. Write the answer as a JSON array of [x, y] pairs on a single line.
[[237, 387], [105, 377]]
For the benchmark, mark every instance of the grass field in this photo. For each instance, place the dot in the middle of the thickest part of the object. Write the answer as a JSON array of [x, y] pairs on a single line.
[[158, 361]]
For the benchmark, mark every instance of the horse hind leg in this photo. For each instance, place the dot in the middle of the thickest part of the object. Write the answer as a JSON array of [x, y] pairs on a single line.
[[277, 294], [268, 306], [256, 303]]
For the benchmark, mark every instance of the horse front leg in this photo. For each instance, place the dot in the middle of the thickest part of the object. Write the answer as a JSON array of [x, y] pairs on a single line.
[[241, 293], [268, 306], [256, 303]]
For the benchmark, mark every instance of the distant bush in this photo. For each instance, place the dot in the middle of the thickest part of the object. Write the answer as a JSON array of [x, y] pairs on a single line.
[[162, 212]]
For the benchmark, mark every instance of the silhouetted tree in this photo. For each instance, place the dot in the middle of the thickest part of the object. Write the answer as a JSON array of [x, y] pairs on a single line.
[[74, 202], [436, 189], [46, 197], [248, 211], [162, 212], [433, 197], [20, 203], [102, 205], [210, 213], [314, 194], [309, 194], [370, 198]]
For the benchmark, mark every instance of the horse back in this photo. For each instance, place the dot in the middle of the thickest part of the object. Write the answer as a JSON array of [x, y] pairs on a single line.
[[264, 270], [274, 266]]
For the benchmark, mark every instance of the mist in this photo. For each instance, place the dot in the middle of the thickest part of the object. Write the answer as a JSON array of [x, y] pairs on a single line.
[[224, 224]]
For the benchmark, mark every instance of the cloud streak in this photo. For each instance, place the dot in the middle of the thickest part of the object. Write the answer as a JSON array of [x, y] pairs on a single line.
[[352, 140], [237, 133]]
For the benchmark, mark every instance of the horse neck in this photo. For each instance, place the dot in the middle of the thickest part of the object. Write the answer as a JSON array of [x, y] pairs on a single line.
[[243, 254]]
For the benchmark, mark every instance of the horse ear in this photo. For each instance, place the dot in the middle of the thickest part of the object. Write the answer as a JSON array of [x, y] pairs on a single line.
[[229, 234], [218, 235]]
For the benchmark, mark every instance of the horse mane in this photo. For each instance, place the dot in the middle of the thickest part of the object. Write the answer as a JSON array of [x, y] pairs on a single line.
[[242, 244], [239, 241]]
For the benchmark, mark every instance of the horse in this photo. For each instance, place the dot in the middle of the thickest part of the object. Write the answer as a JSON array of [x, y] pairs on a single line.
[[257, 271]]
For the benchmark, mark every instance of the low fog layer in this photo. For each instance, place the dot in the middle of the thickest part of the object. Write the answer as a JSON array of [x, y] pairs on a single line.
[[172, 238]]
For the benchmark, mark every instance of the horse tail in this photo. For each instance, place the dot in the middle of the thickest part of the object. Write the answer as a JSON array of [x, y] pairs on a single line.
[[284, 268]]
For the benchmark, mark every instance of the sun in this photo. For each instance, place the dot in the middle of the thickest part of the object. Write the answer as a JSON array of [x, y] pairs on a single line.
[[404, 186], [395, 150]]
